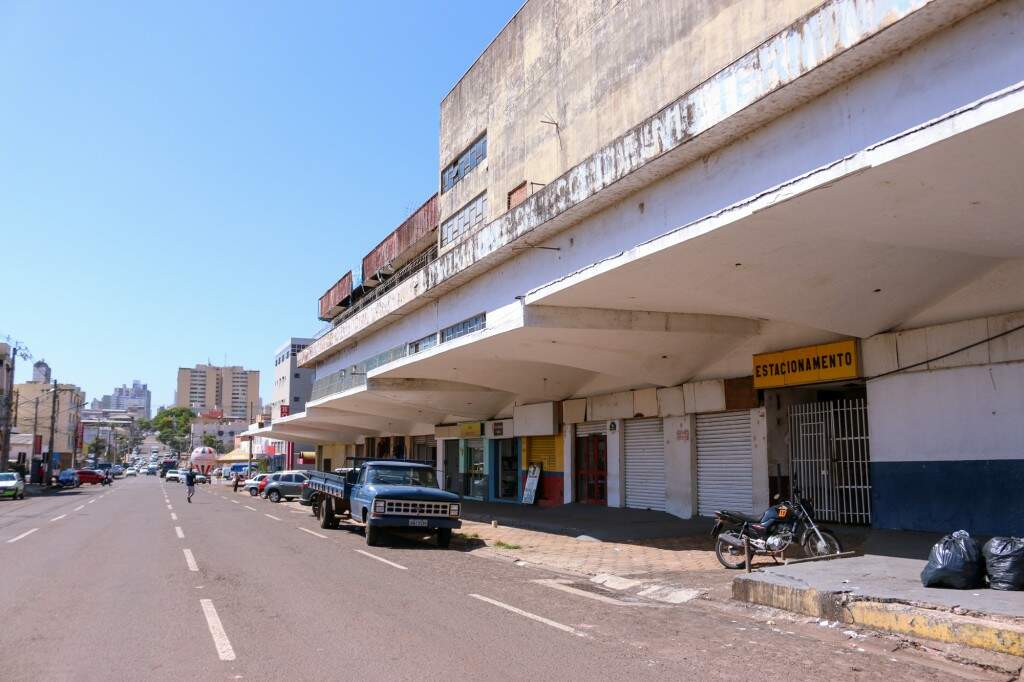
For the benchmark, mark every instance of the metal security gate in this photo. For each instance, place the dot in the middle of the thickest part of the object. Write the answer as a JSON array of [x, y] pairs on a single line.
[[645, 463], [424, 447], [725, 463], [829, 456]]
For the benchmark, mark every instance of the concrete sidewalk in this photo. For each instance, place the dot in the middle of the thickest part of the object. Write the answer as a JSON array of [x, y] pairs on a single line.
[[885, 593]]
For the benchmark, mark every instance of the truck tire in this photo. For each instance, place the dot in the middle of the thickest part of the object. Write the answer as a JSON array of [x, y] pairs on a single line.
[[444, 537], [327, 513], [372, 535]]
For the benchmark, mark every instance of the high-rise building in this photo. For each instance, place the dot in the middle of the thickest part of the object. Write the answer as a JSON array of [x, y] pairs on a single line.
[[40, 373], [234, 391], [135, 399], [292, 383]]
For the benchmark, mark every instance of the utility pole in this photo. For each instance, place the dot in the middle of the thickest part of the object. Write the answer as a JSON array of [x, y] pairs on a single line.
[[53, 428], [35, 431], [5, 413]]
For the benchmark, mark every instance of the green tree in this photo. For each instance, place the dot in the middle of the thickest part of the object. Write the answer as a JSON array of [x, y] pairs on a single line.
[[97, 447], [211, 441], [173, 427]]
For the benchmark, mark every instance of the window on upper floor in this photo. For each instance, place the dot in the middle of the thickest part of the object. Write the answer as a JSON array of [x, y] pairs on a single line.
[[467, 326], [468, 218], [428, 341], [467, 161]]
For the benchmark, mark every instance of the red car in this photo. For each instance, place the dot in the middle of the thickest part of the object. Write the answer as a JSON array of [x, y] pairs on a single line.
[[262, 485], [91, 476]]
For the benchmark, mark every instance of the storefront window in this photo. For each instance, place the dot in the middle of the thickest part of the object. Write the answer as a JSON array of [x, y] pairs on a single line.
[[508, 468], [476, 469]]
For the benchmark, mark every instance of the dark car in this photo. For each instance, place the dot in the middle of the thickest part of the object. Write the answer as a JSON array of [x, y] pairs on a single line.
[[69, 479], [91, 476], [287, 485]]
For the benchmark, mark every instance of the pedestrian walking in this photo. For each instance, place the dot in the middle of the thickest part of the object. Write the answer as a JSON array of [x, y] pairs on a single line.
[[235, 485], [190, 483]]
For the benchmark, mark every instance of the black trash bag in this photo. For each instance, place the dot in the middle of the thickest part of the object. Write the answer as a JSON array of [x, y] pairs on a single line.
[[1004, 561], [955, 561]]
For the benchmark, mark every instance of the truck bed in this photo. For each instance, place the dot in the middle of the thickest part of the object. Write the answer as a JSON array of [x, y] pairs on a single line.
[[330, 484]]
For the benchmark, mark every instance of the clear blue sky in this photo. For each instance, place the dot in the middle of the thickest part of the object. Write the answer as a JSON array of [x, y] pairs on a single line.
[[180, 181]]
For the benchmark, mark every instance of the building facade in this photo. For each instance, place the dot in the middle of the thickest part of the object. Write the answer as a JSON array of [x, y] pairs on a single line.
[[233, 390], [686, 257], [40, 372], [135, 399], [34, 412]]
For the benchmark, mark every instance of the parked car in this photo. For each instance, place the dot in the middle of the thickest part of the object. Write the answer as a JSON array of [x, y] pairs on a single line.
[[68, 479], [173, 475], [201, 478], [261, 487], [93, 476], [288, 485], [117, 470], [252, 485], [12, 485], [131, 471]]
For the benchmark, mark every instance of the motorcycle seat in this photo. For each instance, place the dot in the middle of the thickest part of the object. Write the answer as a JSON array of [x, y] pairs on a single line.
[[742, 517]]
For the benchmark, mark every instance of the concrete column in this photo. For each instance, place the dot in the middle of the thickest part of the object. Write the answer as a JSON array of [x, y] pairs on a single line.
[[680, 466], [759, 453], [568, 460], [616, 465]]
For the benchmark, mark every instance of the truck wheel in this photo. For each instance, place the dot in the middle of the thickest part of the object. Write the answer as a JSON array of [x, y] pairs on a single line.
[[326, 513], [314, 502], [444, 537], [372, 535]]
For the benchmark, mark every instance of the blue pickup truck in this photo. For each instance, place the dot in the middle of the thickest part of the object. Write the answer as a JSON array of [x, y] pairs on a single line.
[[384, 494]]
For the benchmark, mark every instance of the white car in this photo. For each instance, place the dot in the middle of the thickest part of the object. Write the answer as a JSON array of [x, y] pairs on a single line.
[[131, 471], [12, 485], [173, 475]]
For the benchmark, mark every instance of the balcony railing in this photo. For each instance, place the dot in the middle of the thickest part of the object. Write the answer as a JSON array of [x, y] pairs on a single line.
[[408, 270]]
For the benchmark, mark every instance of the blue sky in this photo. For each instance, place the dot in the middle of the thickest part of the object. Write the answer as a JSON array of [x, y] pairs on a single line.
[[179, 182]]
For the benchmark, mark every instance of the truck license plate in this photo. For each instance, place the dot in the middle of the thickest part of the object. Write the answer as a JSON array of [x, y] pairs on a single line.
[[418, 522]]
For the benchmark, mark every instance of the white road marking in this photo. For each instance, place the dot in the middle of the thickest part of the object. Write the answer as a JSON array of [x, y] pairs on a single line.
[[180, 533], [174, 517], [23, 535], [306, 530], [220, 638], [298, 511], [58, 518], [80, 507], [382, 560], [190, 560], [170, 507], [236, 501], [271, 516], [565, 586], [91, 501], [531, 616], [250, 508]]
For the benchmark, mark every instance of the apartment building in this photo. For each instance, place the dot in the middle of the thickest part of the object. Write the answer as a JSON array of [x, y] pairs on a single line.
[[136, 399], [233, 390], [690, 255], [35, 407]]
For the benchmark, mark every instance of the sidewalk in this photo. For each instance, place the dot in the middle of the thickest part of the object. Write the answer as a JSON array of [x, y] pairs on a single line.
[[885, 593]]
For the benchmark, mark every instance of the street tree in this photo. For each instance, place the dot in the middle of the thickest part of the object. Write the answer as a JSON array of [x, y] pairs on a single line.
[[173, 427], [211, 441]]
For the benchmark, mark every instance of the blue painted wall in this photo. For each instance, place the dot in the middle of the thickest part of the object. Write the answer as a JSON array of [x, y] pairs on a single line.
[[983, 497]]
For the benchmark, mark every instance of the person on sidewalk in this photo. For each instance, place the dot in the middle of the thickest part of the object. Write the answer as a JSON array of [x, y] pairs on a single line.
[[235, 485], [190, 483]]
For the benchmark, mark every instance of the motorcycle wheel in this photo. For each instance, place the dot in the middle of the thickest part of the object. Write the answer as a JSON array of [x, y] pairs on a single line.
[[729, 556], [814, 547]]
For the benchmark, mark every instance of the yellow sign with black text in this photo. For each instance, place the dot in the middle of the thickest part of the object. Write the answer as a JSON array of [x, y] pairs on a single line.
[[809, 365], [471, 429]]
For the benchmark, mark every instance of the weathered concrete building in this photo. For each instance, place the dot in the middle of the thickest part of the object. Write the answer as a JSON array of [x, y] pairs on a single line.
[[689, 254]]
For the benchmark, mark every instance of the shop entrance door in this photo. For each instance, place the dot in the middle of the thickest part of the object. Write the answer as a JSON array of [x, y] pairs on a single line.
[[592, 469], [830, 459], [452, 477], [506, 461]]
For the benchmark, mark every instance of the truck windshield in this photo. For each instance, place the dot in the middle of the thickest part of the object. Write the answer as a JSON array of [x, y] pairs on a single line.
[[420, 476]]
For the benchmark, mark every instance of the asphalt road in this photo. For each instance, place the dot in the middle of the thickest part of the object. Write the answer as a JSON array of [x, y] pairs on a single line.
[[127, 584]]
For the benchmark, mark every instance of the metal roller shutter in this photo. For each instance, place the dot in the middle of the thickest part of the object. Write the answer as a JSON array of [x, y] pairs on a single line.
[[725, 477], [645, 463], [591, 428]]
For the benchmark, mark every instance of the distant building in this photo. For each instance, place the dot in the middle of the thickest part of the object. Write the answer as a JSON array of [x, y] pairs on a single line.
[[40, 373], [292, 383], [234, 390], [223, 429], [135, 399], [35, 407]]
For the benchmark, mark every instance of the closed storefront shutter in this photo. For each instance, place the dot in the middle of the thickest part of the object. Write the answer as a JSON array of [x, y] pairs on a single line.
[[423, 447], [542, 450], [645, 463], [725, 478], [591, 428]]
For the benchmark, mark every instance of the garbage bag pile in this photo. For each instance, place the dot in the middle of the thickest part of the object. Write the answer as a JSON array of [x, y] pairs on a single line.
[[957, 561]]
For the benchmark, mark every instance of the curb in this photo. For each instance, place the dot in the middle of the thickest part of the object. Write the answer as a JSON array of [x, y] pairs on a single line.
[[890, 616]]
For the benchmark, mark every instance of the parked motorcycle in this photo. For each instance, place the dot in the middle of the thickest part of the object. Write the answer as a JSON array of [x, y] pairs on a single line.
[[782, 525]]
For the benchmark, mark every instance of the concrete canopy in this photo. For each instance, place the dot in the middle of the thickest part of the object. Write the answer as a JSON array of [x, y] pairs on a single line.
[[856, 248]]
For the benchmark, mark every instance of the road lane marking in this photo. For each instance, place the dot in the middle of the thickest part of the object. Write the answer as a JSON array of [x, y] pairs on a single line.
[[190, 559], [58, 518], [382, 560], [174, 517], [170, 507], [220, 638], [80, 507], [236, 501], [271, 516], [91, 501], [531, 616], [250, 508], [23, 535], [179, 532], [566, 586], [306, 530]]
